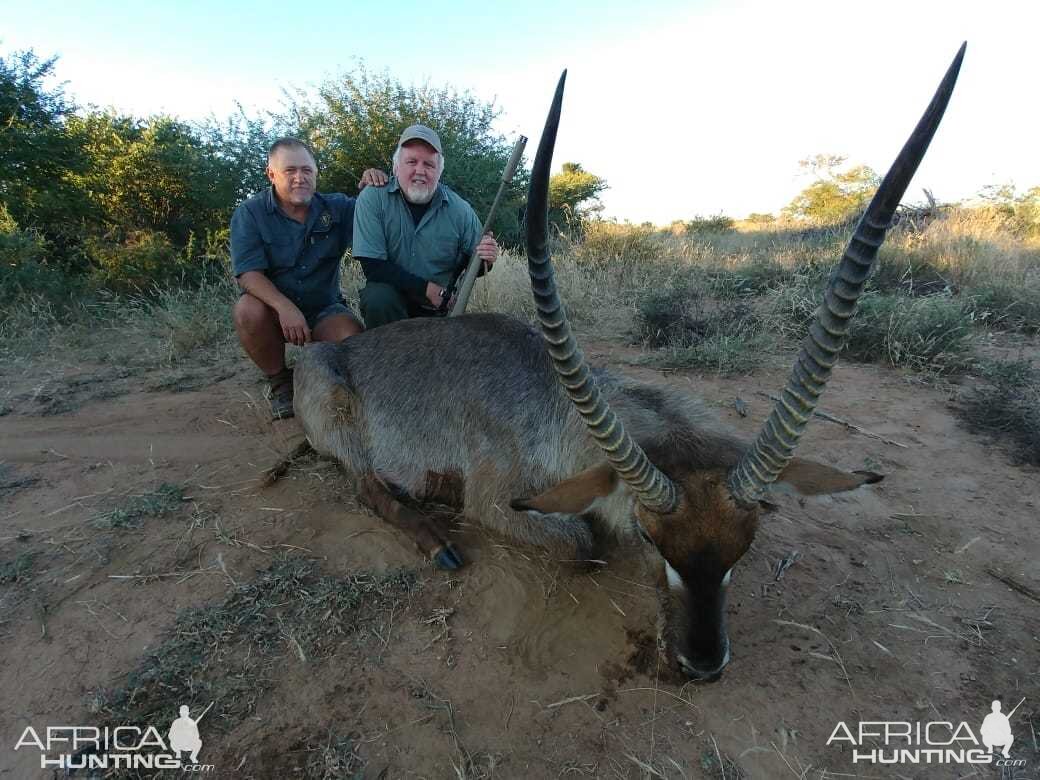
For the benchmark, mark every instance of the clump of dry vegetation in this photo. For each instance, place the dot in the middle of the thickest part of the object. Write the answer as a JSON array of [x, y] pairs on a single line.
[[1006, 405], [221, 660], [132, 514], [226, 653], [721, 299], [17, 569], [688, 329]]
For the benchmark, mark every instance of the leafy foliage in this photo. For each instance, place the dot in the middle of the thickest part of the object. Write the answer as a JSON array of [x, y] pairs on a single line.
[[162, 175], [85, 183], [1020, 211], [574, 195], [836, 195], [355, 122], [699, 225], [37, 155]]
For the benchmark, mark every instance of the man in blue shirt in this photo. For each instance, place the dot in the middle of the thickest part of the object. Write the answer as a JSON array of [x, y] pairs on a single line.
[[286, 246], [414, 236]]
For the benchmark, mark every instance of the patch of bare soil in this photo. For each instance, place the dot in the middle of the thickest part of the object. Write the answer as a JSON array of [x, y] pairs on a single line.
[[142, 567]]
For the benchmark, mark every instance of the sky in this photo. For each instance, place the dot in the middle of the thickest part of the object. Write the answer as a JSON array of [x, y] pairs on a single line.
[[686, 108]]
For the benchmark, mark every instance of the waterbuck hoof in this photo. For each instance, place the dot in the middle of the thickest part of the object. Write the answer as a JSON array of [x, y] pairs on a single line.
[[447, 558]]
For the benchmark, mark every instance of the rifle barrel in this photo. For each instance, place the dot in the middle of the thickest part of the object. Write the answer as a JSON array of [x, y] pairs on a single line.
[[470, 276]]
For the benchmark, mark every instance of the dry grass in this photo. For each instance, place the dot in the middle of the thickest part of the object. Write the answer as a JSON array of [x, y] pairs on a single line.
[[1006, 405], [714, 300], [228, 652]]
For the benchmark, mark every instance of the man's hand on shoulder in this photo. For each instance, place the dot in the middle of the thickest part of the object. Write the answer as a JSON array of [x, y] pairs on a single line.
[[487, 250], [373, 176]]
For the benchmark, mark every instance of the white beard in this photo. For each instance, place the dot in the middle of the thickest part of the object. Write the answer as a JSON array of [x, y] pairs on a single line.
[[418, 193]]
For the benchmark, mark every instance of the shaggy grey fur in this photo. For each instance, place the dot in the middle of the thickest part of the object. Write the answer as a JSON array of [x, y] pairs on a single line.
[[477, 396]]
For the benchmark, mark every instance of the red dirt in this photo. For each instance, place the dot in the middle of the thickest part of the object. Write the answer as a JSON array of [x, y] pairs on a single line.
[[897, 607]]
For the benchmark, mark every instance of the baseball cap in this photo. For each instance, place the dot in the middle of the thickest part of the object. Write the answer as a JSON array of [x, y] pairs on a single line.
[[421, 133]]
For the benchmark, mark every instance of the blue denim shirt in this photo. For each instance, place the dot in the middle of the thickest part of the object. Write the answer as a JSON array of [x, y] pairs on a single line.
[[303, 261]]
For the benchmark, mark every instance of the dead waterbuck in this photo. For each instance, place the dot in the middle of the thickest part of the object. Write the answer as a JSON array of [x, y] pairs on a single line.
[[517, 431]]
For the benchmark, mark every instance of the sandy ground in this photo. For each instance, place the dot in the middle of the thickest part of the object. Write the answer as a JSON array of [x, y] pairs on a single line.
[[912, 600]]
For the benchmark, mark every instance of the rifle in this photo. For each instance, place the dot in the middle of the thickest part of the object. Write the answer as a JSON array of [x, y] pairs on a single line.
[[463, 280]]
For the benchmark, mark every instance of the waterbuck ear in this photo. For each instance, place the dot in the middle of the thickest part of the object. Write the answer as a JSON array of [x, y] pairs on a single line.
[[812, 479], [572, 495]]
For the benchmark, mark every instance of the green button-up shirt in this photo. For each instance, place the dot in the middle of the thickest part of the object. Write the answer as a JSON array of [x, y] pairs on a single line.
[[440, 244], [302, 260]]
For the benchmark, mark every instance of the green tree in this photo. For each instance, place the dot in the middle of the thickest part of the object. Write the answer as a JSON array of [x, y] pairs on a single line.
[[1028, 210], [836, 195], [37, 154], [162, 175], [239, 145], [574, 195], [355, 121], [1022, 211]]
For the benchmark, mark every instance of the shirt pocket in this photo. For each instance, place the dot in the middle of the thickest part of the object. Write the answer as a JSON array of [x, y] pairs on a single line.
[[328, 246], [446, 254], [282, 253]]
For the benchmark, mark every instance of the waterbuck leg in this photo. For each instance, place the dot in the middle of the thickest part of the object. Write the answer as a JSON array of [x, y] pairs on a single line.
[[379, 496]]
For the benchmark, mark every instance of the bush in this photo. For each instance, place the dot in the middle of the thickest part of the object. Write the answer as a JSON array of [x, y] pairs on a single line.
[[678, 314], [147, 261], [694, 331], [932, 333], [702, 226], [836, 195], [1006, 306], [1007, 406], [28, 284], [909, 276], [605, 242]]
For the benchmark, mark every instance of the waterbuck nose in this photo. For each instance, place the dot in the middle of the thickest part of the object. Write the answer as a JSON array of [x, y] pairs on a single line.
[[700, 674]]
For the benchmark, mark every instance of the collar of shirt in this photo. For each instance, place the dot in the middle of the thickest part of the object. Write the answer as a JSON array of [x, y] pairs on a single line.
[[317, 208]]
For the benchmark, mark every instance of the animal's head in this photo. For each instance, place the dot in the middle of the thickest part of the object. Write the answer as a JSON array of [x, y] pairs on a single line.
[[699, 541], [702, 519]]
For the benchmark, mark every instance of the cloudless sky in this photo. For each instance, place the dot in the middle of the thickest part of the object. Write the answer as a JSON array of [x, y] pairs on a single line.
[[696, 107]]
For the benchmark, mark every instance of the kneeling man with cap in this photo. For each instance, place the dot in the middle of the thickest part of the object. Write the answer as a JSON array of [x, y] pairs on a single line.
[[412, 236]]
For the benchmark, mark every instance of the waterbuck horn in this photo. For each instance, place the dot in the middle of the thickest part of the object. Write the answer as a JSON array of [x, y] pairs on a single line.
[[773, 448], [652, 488]]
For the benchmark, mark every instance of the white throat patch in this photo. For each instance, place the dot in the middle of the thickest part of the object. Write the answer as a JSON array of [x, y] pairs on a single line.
[[674, 580]]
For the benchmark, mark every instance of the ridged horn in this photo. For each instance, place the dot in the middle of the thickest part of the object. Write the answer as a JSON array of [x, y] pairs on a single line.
[[775, 445], [652, 488]]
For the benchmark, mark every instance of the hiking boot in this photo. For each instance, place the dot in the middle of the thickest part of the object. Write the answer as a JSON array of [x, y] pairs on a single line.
[[282, 394]]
